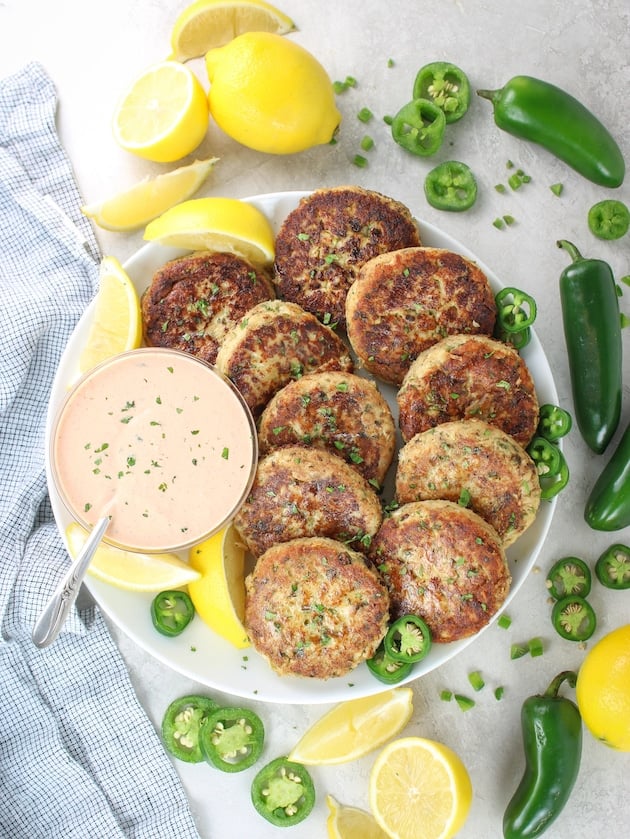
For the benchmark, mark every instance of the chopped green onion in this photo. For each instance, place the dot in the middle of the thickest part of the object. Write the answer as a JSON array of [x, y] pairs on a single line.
[[476, 680], [360, 161], [509, 165], [499, 223], [625, 280], [390, 62], [351, 81], [518, 651], [446, 695], [464, 702], [508, 220], [367, 143], [387, 119], [339, 87], [365, 115], [498, 692], [556, 189], [515, 181], [500, 188], [505, 621], [535, 646]]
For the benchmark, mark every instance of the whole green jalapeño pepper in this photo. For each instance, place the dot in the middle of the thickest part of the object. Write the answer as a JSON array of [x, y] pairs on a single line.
[[543, 113], [592, 330], [608, 505], [552, 739]]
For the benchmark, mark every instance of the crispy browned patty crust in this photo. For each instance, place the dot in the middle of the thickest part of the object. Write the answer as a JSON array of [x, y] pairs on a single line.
[[274, 343], [404, 301], [193, 301], [324, 241], [477, 461], [443, 562], [469, 376], [340, 412], [315, 608], [300, 491]]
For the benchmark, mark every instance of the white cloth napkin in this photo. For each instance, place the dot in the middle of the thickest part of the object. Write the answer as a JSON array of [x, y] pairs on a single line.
[[78, 756]]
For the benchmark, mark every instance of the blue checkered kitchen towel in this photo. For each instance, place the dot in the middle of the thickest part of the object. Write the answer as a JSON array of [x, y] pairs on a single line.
[[78, 756]]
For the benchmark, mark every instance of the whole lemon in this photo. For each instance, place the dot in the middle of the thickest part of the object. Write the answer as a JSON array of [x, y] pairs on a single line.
[[603, 689], [271, 94]]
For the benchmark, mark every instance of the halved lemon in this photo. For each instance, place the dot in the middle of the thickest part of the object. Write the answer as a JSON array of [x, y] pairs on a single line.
[[351, 822], [137, 206], [117, 323], [164, 114], [130, 570], [218, 224], [354, 728], [212, 23], [219, 593], [415, 782]]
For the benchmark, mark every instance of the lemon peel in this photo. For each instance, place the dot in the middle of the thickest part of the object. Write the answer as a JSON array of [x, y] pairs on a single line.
[[354, 728], [206, 24], [117, 320], [270, 94], [130, 570], [136, 206], [219, 593], [215, 223], [163, 115]]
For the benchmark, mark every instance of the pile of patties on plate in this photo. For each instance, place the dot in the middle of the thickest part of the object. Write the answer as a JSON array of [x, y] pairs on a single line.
[[352, 286]]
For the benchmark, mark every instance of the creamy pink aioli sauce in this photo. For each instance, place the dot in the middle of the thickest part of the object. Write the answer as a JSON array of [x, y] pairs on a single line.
[[159, 441]]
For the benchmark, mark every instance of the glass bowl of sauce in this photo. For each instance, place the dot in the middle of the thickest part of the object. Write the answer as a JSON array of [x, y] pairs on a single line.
[[160, 441]]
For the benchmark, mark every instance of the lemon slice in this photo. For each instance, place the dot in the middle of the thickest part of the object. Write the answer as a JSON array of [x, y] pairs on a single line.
[[146, 200], [117, 323], [164, 115], [219, 593], [212, 23], [355, 728], [129, 570], [351, 822], [419, 782], [218, 224]]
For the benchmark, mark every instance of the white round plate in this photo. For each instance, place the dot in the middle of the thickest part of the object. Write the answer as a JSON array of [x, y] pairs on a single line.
[[201, 655]]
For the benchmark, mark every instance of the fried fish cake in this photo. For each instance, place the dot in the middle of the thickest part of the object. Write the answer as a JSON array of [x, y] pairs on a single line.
[[469, 376], [323, 242], [299, 491], [274, 343], [315, 608], [193, 301], [404, 301], [340, 412], [477, 460], [444, 563]]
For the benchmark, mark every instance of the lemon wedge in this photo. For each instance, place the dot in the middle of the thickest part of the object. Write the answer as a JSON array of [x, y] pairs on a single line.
[[163, 116], [218, 224], [117, 323], [137, 206], [355, 728], [130, 570], [219, 593], [414, 782], [351, 822], [212, 23]]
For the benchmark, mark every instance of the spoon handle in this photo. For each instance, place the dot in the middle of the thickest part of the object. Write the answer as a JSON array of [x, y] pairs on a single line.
[[55, 612]]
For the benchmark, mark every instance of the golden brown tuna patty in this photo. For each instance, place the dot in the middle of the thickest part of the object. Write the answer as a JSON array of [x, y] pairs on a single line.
[[404, 301], [324, 241], [274, 343], [193, 301], [340, 412], [443, 562], [469, 377], [315, 608], [299, 491], [472, 461]]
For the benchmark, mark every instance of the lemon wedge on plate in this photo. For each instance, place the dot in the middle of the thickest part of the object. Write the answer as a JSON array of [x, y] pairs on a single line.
[[130, 570], [219, 593], [414, 782], [117, 322], [141, 203], [218, 224], [163, 116], [212, 23], [355, 728], [351, 822]]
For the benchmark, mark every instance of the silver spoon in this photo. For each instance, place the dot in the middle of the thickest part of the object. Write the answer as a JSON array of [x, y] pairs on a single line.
[[55, 612]]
